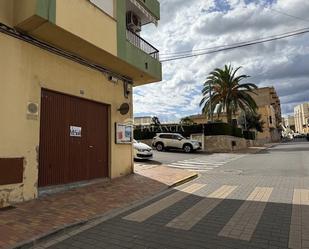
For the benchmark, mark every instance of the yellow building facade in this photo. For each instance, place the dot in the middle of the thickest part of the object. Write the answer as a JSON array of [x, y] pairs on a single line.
[[68, 68], [269, 108]]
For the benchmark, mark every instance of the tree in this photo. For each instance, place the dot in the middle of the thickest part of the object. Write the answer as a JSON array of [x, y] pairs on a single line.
[[186, 121], [253, 121], [224, 92]]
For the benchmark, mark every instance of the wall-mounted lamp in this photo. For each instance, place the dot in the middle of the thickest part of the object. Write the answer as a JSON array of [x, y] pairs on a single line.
[[112, 79]]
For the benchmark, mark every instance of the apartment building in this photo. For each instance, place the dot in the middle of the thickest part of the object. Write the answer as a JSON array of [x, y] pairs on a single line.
[[269, 108], [145, 120], [301, 117], [68, 68]]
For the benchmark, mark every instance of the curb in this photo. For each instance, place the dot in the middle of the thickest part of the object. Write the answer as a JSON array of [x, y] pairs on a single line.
[[71, 229], [184, 180]]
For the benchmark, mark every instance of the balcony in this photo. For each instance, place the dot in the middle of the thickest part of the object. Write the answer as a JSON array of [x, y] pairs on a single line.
[[74, 29], [140, 43]]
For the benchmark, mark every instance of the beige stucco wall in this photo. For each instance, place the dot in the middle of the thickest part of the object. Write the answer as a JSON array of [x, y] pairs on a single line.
[[6, 11], [23, 9], [265, 112], [96, 26], [224, 143], [25, 70]]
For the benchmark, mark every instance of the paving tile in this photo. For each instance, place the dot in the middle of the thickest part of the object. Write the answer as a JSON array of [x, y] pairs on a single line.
[[197, 212], [37, 217], [248, 215]]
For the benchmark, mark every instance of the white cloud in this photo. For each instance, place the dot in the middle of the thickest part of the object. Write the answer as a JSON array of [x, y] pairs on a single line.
[[198, 24]]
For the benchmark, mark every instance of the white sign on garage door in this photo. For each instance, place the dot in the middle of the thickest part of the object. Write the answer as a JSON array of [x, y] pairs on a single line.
[[75, 131]]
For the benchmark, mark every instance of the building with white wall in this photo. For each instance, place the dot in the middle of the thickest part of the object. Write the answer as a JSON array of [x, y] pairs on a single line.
[[301, 116]]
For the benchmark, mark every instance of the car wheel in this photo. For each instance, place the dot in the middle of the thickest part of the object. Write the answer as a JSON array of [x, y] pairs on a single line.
[[159, 147], [187, 148]]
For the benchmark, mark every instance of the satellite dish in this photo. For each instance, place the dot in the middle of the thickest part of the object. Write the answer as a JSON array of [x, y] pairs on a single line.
[[124, 108]]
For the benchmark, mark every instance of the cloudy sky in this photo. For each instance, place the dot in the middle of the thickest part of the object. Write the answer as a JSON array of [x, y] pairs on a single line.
[[199, 24]]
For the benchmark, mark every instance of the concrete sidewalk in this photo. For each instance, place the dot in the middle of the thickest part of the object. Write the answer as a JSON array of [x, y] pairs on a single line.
[[31, 221]]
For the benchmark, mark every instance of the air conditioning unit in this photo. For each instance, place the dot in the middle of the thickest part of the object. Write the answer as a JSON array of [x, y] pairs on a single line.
[[134, 22]]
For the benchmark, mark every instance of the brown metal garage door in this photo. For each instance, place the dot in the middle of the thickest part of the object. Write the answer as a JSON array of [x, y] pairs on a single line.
[[73, 139]]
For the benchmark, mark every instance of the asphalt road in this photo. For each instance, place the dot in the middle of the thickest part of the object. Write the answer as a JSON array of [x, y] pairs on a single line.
[[253, 201], [287, 159], [166, 157]]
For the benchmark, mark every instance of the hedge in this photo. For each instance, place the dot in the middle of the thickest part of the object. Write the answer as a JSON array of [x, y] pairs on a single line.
[[249, 135], [213, 129], [148, 132]]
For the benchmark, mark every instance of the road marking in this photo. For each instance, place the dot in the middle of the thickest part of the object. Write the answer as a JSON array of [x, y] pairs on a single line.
[[189, 166], [205, 163], [156, 207], [299, 227], [198, 170], [243, 223], [193, 215], [202, 162]]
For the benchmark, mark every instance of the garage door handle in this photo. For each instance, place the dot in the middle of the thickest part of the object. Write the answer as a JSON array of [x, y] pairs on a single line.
[[90, 146]]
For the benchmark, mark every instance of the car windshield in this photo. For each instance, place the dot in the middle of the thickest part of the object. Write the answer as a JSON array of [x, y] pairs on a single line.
[[179, 136]]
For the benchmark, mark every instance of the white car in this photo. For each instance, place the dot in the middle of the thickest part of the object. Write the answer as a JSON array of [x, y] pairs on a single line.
[[175, 141], [142, 151]]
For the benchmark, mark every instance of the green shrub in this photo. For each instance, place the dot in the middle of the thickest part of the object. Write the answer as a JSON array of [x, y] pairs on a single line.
[[214, 129], [249, 135], [237, 132], [148, 132]]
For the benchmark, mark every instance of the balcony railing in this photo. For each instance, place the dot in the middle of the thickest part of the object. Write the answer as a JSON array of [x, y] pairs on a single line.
[[139, 42]]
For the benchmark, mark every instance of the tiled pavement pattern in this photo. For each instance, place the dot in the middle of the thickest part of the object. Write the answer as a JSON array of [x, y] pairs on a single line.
[[222, 198], [206, 163], [145, 213], [245, 220], [274, 183], [163, 174], [197, 212], [299, 229], [37, 217]]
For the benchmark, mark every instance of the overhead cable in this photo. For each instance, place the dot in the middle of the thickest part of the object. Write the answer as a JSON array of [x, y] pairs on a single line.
[[237, 45]]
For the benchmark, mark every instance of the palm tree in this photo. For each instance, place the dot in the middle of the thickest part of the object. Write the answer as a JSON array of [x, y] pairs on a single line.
[[186, 121], [223, 92]]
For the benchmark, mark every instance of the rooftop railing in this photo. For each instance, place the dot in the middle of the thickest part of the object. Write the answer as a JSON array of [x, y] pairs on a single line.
[[139, 42]]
